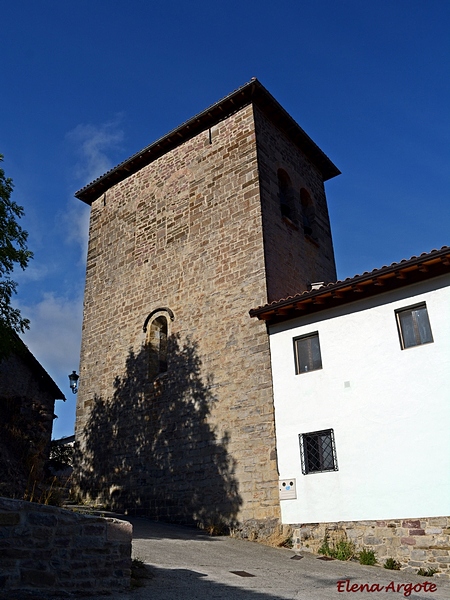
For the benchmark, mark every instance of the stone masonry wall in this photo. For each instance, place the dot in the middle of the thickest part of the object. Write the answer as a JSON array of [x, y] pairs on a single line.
[[196, 444], [415, 543], [44, 548], [305, 258], [185, 233]]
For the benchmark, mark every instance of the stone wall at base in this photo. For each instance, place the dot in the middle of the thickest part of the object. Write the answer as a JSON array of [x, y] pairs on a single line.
[[422, 543], [44, 548]]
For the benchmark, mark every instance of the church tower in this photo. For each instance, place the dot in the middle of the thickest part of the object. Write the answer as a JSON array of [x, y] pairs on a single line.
[[175, 412]]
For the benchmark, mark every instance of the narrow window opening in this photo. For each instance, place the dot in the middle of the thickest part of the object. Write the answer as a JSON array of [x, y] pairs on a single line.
[[285, 195], [157, 343], [308, 213]]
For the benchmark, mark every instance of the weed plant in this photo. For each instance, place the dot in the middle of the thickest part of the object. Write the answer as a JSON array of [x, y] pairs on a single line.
[[392, 564], [427, 572], [367, 557], [341, 550]]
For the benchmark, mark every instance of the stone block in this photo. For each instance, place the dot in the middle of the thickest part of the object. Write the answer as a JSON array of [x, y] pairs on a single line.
[[97, 529], [418, 555], [411, 524], [37, 518], [371, 540], [409, 541], [9, 518], [37, 578], [438, 522]]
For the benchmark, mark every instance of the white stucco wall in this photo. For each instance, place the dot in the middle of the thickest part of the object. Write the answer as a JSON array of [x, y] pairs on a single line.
[[389, 409]]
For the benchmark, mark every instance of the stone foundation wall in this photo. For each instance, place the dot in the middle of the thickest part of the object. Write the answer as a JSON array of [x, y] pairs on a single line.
[[44, 548], [415, 543]]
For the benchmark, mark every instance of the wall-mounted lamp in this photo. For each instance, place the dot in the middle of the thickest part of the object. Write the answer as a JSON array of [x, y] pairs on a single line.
[[73, 379]]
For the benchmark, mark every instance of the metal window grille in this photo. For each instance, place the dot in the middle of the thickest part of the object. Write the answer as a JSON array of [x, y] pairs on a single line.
[[307, 353], [414, 326], [318, 452]]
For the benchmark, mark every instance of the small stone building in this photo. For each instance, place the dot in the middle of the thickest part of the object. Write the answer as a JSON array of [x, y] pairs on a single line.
[[27, 406], [175, 413]]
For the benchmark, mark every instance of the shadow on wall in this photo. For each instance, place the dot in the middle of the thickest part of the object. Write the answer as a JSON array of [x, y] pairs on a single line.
[[150, 450]]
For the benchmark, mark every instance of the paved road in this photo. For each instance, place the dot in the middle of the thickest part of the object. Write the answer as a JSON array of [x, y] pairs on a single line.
[[187, 564]]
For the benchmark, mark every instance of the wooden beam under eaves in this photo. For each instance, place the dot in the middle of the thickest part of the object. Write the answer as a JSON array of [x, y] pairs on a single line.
[[282, 311], [300, 306], [266, 316]]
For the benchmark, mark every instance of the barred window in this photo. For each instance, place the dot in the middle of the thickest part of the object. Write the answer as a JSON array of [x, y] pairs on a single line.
[[414, 326], [307, 353], [318, 452]]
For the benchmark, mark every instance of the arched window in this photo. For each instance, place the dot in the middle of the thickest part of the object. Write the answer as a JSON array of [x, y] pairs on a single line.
[[308, 213], [285, 195], [157, 328], [157, 340]]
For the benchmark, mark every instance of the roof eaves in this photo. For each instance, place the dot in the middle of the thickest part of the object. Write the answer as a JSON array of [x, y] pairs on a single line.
[[37, 369], [368, 284], [251, 91]]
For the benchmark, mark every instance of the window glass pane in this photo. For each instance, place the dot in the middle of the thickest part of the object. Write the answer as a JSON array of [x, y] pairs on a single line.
[[327, 452], [308, 354], [407, 325], [312, 453], [423, 325], [316, 359], [414, 326]]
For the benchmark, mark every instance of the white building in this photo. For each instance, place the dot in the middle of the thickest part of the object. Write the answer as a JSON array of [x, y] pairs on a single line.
[[361, 377]]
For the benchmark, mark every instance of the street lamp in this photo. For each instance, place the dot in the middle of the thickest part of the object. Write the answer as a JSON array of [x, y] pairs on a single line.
[[73, 379]]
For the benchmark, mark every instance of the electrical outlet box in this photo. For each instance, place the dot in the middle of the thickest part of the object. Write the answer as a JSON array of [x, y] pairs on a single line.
[[288, 489]]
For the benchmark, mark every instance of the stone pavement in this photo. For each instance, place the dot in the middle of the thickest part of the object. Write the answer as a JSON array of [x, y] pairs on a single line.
[[188, 564]]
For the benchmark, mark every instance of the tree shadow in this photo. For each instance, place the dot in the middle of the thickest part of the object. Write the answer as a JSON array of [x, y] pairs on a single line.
[[150, 449]]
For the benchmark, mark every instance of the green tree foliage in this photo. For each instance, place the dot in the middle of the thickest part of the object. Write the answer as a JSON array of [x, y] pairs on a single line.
[[13, 252]]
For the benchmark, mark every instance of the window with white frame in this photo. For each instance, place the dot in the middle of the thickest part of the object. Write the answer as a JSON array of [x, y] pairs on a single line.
[[318, 452], [307, 353], [414, 326]]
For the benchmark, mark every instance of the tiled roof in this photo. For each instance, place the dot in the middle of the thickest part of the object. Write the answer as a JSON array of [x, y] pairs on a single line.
[[251, 92], [405, 272]]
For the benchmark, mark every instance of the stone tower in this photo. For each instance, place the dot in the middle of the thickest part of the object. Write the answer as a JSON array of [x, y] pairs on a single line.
[[175, 411]]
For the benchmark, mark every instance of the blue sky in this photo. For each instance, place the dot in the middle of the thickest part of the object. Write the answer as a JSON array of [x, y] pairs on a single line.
[[85, 84]]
